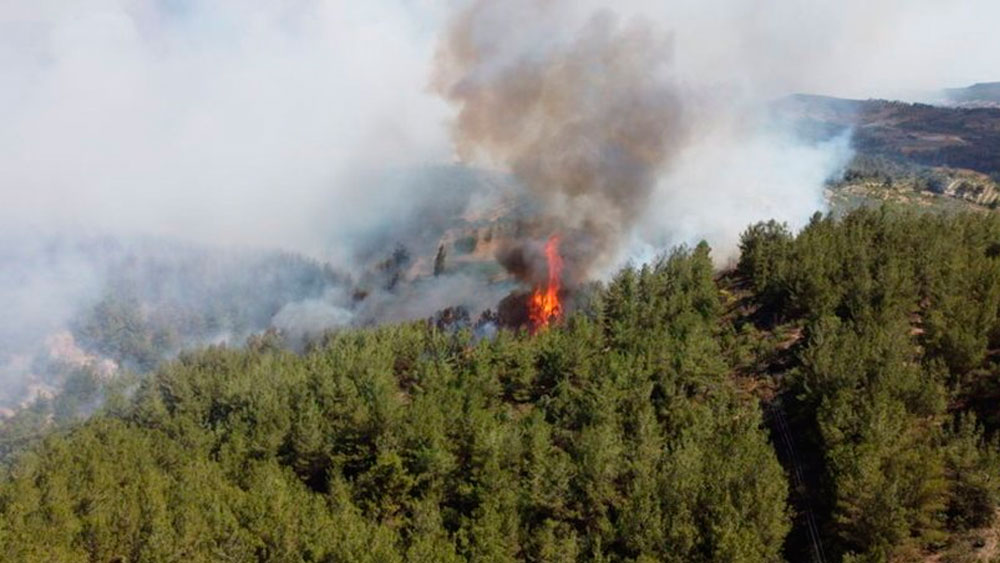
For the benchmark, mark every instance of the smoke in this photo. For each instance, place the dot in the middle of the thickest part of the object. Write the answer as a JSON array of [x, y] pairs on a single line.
[[423, 298], [586, 122], [848, 48], [96, 303], [640, 124], [301, 320], [251, 122], [216, 122], [254, 122], [202, 126], [727, 179], [310, 126], [41, 286]]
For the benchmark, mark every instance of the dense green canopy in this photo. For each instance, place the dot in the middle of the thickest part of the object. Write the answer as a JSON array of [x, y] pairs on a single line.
[[633, 431]]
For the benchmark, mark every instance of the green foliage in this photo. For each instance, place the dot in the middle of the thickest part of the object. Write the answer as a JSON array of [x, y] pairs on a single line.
[[161, 299], [629, 432], [616, 436], [900, 316]]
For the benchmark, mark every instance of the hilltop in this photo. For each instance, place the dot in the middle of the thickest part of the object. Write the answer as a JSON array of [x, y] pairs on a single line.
[[984, 94], [833, 397], [931, 155]]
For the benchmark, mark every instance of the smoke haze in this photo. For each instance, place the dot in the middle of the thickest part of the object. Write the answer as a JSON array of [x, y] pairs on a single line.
[[218, 122], [585, 122], [247, 122], [329, 128]]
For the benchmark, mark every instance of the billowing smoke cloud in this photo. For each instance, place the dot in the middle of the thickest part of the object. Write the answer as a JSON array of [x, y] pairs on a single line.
[[298, 125], [587, 112], [586, 121], [250, 123], [222, 124], [648, 121], [732, 175]]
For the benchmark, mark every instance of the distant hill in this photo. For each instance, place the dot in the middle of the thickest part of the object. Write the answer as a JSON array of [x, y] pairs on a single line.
[[955, 137], [933, 155], [984, 94], [832, 398]]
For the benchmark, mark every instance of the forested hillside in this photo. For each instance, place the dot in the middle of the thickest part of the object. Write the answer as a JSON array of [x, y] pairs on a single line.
[[928, 155], [834, 397], [890, 377], [923, 134]]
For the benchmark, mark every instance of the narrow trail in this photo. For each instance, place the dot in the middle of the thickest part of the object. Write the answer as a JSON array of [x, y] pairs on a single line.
[[777, 414]]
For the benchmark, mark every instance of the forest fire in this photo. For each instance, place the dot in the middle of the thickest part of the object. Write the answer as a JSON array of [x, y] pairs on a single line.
[[544, 305]]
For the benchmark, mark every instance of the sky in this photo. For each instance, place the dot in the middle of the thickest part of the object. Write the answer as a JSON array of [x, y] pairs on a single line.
[[248, 121], [294, 125]]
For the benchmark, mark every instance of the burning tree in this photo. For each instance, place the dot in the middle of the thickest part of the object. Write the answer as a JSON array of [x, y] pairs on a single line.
[[544, 305]]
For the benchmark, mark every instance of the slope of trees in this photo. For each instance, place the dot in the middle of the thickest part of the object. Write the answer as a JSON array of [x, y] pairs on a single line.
[[615, 437], [895, 377], [633, 431]]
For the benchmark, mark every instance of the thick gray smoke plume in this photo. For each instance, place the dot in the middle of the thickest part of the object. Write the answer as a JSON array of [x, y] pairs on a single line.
[[587, 122], [650, 127], [308, 126]]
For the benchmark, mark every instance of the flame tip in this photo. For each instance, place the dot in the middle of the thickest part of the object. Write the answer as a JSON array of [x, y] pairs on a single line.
[[544, 305]]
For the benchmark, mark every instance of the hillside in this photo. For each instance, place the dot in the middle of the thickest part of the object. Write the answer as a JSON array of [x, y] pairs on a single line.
[[933, 156], [122, 302], [986, 94], [928, 135], [832, 398]]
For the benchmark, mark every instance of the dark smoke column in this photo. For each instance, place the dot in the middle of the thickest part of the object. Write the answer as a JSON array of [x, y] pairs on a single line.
[[582, 113]]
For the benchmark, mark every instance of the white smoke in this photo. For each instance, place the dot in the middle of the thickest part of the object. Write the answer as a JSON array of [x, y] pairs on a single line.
[[733, 175], [730, 59], [257, 123], [311, 317], [246, 121], [211, 121]]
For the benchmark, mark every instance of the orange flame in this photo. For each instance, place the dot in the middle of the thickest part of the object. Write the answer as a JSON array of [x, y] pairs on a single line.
[[544, 305]]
